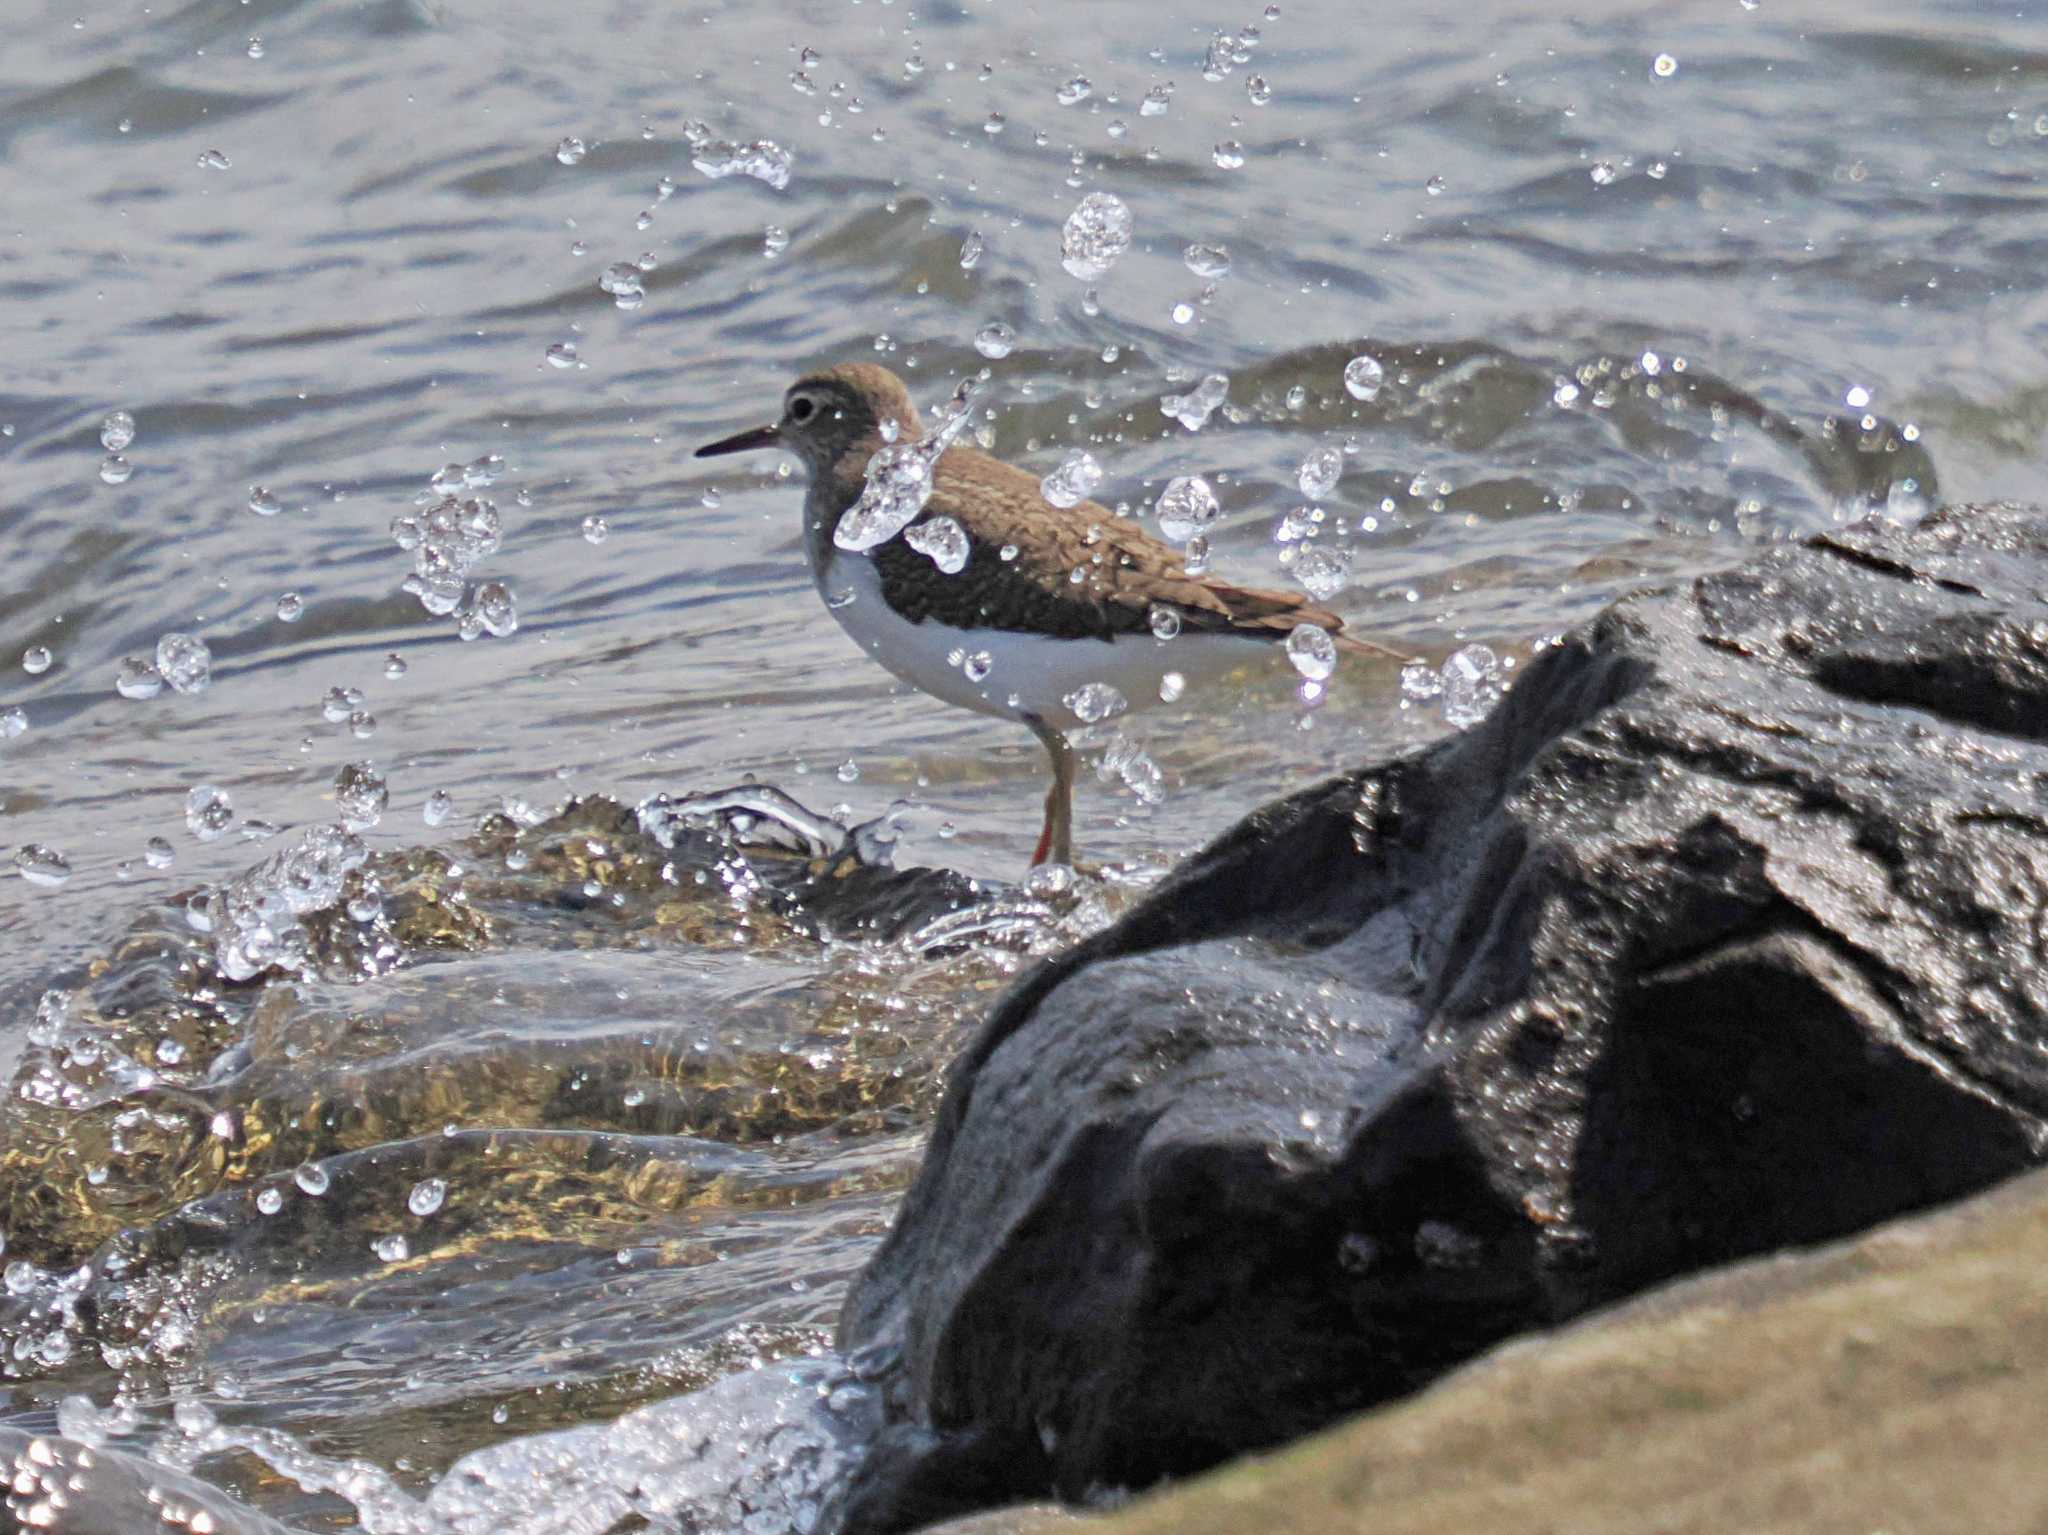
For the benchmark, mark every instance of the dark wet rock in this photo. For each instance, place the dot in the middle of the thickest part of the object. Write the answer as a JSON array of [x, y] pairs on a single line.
[[1728, 930]]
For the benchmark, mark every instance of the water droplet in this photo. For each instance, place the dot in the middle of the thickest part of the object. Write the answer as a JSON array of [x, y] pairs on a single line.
[[1602, 172], [41, 865], [138, 678], [995, 124], [1258, 90], [571, 151], [1165, 621], [263, 503], [158, 853], [595, 529], [1076, 90], [1207, 260], [1193, 409], [213, 160], [1312, 651], [1095, 236], [209, 813], [1074, 481], [562, 354], [339, 703], [774, 241], [1434, 186], [394, 666], [1858, 397], [1471, 685], [312, 1179], [1320, 471], [494, 607], [1094, 702], [1322, 572], [255, 47], [360, 795], [270, 1200], [943, 540], [995, 340], [438, 807], [899, 481], [1664, 66], [971, 250], [36, 660], [1156, 101], [393, 1248], [362, 724], [849, 771], [13, 723], [185, 662], [116, 470], [1363, 377], [978, 666], [1171, 686], [1229, 155], [622, 280], [1565, 393], [117, 431], [427, 1196], [1185, 508]]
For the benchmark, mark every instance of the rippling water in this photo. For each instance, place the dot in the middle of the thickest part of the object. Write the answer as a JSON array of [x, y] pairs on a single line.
[[1635, 318]]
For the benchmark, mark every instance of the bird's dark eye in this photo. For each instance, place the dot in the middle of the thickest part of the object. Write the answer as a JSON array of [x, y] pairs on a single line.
[[802, 408]]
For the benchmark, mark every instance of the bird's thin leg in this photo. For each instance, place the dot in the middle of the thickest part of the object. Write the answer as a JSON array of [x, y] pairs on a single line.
[[1056, 840]]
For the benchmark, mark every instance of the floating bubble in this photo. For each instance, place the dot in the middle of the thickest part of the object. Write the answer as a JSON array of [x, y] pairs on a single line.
[[1320, 471], [1095, 702], [117, 431], [185, 662], [41, 865], [438, 807], [1207, 260], [209, 813], [1312, 650], [1471, 685], [943, 540], [1193, 409], [138, 678], [263, 503], [1095, 236], [1363, 378], [1074, 481], [360, 795], [995, 340], [1185, 508], [571, 151], [36, 660], [427, 1196]]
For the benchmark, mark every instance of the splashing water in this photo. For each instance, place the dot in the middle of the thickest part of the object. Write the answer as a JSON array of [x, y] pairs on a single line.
[[763, 159], [943, 540], [256, 917], [1095, 236], [1186, 508], [899, 480], [1470, 685], [1193, 409], [1074, 481]]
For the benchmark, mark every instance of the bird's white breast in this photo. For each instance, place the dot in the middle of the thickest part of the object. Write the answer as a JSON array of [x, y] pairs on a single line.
[[1025, 673]]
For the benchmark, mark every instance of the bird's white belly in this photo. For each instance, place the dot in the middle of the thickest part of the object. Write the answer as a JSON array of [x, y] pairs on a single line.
[[1025, 673]]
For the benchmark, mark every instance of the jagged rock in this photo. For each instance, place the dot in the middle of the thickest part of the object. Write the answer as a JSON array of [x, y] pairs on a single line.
[[1727, 930]]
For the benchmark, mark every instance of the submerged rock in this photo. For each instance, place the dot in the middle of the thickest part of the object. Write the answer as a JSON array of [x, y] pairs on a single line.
[[1726, 931]]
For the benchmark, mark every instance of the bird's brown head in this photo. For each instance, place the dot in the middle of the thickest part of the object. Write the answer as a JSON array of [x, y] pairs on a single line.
[[833, 419]]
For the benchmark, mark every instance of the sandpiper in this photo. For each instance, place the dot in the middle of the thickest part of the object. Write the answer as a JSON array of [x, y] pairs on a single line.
[[1046, 601]]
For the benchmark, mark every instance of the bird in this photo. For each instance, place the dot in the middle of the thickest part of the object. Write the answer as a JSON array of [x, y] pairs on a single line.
[[1048, 600]]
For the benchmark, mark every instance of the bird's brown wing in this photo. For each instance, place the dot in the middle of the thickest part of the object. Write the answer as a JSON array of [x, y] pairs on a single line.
[[1076, 571]]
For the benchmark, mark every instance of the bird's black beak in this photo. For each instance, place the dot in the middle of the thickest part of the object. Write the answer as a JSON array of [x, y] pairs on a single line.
[[759, 437]]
